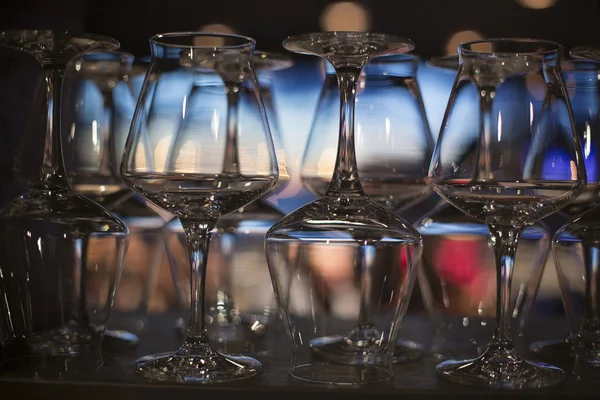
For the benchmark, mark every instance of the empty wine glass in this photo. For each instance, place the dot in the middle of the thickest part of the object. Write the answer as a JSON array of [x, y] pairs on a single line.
[[343, 317], [57, 301], [523, 163], [458, 266], [201, 170], [393, 146], [239, 307], [99, 104]]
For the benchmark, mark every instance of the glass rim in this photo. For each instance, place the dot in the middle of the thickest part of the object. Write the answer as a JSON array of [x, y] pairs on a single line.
[[245, 41], [69, 33], [356, 34], [553, 47]]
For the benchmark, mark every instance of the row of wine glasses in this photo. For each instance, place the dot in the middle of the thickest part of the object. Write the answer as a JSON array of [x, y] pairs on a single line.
[[518, 160]]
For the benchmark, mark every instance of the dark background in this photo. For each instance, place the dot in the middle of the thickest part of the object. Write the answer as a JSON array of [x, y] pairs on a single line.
[[430, 23]]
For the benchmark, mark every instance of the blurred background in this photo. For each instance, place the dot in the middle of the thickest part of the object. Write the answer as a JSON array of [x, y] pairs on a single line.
[[436, 27]]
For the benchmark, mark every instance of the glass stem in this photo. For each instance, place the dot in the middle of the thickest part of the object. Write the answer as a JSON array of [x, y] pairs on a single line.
[[198, 234], [53, 168], [367, 262], [231, 163], [345, 176], [505, 247]]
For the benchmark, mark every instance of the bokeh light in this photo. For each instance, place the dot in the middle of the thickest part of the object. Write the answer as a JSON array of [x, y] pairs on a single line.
[[536, 4], [461, 37], [213, 28], [345, 16]]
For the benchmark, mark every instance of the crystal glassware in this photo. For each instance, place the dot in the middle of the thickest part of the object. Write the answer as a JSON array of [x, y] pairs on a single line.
[[99, 106], [202, 169], [393, 146], [520, 163], [460, 279], [239, 300], [342, 317], [583, 87], [57, 301]]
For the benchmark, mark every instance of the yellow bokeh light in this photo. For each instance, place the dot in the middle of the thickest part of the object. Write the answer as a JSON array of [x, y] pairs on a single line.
[[213, 41], [461, 37], [345, 16], [536, 4]]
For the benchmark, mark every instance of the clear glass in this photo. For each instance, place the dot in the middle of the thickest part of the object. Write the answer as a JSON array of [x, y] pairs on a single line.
[[99, 106], [583, 87], [57, 300], [521, 162], [343, 319], [393, 146], [197, 89], [458, 277], [239, 299]]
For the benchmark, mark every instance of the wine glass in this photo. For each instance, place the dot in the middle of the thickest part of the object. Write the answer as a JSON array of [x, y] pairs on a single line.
[[523, 163], [239, 307], [99, 104], [343, 317], [393, 146], [458, 267], [57, 301], [201, 170], [583, 86]]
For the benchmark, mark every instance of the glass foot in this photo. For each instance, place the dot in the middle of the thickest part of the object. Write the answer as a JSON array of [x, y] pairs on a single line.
[[340, 375], [196, 367], [407, 351], [359, 347], [500, 373]]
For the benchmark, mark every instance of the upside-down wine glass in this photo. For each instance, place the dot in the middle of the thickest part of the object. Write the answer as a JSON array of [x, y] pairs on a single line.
[[201, 171], [583, 87], [522, 164], [57, 301], [393, 147], [99, 106], [373, 252]]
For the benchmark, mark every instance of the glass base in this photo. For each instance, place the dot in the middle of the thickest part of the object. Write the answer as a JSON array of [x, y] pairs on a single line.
[[117, 340], [500, 373], [407, 351], [559, 349], [359, 347], [196, 366], [340, 375]]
